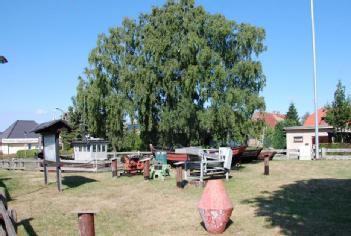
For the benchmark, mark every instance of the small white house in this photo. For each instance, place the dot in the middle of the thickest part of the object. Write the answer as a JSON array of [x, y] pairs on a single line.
[[303, 138], [90, 149]]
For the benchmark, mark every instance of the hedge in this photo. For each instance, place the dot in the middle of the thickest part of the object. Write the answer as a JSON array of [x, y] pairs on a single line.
[[27, 153], [335, 145]]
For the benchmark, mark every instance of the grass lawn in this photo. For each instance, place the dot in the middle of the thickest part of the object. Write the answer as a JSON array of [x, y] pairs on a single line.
[[298, 198]]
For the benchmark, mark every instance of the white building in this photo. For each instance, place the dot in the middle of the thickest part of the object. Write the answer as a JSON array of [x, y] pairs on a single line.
[[18, 136], [90, 149], [298, 136]]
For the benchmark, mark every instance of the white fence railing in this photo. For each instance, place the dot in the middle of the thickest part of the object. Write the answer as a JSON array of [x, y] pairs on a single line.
[[284, 154], [336, 154], [72, 166]]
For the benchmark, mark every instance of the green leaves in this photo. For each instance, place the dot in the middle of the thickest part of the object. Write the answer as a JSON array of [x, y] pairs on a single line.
[[186, 77], [292, 117], [339, 112]]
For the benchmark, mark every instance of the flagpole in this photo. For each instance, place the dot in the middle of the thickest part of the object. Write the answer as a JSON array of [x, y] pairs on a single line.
[[315, 84]]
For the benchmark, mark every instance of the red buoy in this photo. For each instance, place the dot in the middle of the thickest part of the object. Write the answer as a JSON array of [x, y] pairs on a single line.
[[215, 206]]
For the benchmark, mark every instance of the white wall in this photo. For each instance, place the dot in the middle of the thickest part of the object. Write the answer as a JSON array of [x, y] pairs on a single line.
[[306, 138], [85, 155], [12, 148]]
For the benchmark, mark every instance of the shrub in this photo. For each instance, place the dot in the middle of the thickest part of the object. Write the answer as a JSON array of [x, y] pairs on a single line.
[[27, 153], [335, 145]]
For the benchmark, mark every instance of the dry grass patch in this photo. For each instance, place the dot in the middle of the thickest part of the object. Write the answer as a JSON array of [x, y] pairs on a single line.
[[291, 201]]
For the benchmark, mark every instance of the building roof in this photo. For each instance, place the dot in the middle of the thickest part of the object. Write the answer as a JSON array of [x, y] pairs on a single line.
[[20, 129], [271, 119], [51, 126], [322, 113], [90, 141]]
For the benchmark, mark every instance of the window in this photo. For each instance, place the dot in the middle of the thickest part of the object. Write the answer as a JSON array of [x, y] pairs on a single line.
[[298, 139], [29, 146], [98, 148], [94, 148], [80, 148], [103, 148], [88, 147]]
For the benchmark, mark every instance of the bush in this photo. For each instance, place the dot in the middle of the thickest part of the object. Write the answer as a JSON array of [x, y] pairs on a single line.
[[67, 152], [335, 145], [27, 153]]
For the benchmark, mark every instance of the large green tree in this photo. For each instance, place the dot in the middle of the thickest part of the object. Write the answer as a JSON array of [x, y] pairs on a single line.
[[184, 75], [339, 112]]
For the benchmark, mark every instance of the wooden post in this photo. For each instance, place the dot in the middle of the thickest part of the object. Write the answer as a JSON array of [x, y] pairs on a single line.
[[147, 170], [323, 152], [58, 164], [10, 229], [266, 165], [45, 165], [86, 224], [114, 167], [179, 176]]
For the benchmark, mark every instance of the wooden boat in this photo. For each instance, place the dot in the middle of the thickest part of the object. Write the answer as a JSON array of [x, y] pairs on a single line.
[[250, 154], [174, 157], [237, 151]]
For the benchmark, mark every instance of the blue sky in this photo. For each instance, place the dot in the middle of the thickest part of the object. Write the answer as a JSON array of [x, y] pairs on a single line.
[[47, 44]]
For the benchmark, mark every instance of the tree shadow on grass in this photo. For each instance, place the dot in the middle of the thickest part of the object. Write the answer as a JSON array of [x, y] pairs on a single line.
[[2, 184], [308, 207], [27, 226], [76, 181]]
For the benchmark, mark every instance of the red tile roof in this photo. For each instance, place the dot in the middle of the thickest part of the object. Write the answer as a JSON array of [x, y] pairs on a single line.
[[271, 119], [322, 113]]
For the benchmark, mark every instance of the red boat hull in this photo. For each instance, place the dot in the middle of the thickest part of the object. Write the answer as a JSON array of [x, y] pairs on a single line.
[[172, 156], [237, 151]]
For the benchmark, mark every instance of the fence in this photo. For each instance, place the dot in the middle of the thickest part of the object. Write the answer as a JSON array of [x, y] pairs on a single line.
[[284, 154], [336, 154], [20, 164], [67, 166]]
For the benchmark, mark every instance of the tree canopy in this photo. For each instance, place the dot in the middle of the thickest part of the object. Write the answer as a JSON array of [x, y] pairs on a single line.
[[339, 112], [185, 76], [292, 117]]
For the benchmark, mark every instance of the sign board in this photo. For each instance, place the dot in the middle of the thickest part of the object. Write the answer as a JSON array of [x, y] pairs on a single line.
[[50, 147], [226, 154]]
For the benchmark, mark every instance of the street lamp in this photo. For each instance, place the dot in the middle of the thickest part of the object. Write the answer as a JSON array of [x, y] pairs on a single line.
[[63, 112], [3, 60], [315, 84]]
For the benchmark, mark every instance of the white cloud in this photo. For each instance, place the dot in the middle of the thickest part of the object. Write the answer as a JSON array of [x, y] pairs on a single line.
[[40, 111]]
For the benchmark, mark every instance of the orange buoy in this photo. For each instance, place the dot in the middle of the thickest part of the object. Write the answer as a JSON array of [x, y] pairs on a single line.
[[215, 206]]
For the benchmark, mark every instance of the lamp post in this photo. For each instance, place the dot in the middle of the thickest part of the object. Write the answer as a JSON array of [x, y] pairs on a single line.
[[63, 113], [315, 85]]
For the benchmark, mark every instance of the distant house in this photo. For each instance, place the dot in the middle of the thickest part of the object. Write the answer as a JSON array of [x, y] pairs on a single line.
[[271, 119], [18, 136], [303, 137], [322, 113]]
